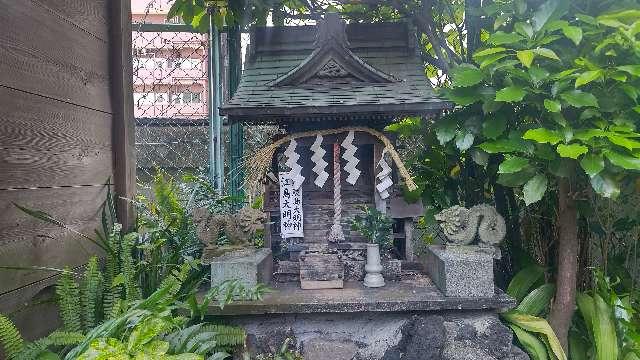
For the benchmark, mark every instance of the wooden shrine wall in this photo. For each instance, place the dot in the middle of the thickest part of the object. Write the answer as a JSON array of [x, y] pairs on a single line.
[[64, 132], [318, 202]]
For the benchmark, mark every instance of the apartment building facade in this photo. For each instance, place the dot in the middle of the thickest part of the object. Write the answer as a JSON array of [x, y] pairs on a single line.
[[170, 68]]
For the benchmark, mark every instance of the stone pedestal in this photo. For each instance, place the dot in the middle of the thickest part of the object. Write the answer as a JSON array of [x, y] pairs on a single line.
[[250, 266], [321, 271], [461, 271]]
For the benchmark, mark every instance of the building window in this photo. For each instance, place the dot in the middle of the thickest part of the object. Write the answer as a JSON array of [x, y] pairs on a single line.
[[161, 98], [186, 97], [143, 99]]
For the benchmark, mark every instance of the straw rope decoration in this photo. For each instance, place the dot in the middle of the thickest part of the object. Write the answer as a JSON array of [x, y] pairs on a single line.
[[256, 166], [336, 234]]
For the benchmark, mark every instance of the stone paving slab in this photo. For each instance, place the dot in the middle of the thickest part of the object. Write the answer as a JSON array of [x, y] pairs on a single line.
[[416, 294]]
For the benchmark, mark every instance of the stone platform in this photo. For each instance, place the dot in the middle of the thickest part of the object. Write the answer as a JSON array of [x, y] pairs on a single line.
[[404, 320], [416, 294]]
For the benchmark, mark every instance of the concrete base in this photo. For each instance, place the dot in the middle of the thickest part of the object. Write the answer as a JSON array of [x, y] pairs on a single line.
[[461, 271], [404, 320], [250, 266], [457, 335]]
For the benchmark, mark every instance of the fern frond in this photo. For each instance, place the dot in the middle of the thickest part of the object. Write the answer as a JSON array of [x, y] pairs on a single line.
[[111, 301], [91, 294], [68, 294], [10, 338], [37, 348], [227, 336], [132, 291], [203, 339], [112, 261]]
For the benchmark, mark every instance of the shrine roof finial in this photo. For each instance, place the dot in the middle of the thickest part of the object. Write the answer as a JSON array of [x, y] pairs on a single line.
[[332, 29]]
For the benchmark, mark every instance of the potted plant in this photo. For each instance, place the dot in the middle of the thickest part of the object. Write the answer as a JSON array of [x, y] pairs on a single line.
[[375, 227]]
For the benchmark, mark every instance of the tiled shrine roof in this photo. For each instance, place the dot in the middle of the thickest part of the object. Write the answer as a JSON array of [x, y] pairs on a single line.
[[335, 71]]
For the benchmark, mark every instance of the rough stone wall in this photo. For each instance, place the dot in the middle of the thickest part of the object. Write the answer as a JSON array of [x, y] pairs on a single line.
[[385, 336]]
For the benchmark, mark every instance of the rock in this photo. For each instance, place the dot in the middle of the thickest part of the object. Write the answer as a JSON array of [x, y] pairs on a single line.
[[422, 339], [320, 348], [461, 271], [481, 337]]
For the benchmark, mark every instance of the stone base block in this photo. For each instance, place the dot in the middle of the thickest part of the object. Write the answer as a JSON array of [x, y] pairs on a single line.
[[250, 266], [461, 271], [354, 270], [321, 271]]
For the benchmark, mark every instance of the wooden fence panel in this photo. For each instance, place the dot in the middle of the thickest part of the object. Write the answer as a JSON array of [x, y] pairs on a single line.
[[48, 143], [26, 241], [65, 124], [45, 54]]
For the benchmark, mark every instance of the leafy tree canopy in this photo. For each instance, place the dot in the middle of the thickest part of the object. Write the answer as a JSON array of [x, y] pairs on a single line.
[[557, 84]]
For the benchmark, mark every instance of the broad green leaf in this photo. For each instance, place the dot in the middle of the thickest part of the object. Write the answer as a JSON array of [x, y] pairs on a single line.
[[516, 179], [623, 141], [534, 189], [631, 91], [490, 59], [548, 53], [537, 325], [502, 146], [589, 134], [536, 349], [489, 51], [510, 94], [611, 23], [578, 347], [494, 126], [525, 57], [462, 96], [587, 77], [543, 14], [605, 185], [464, 140], [572, 151], [480, 156], [604, 330], [631, 69], [466, 75], [524, 280], [592, 164], [538, 74], [622, 15], [563, 74], [446, 131], [524, 28], [501, 38], [512, 165], [587, 310], [624, 161], [619, 76], [537, 300], [552, 105], [543, 136], [579, 98], [574, 33]]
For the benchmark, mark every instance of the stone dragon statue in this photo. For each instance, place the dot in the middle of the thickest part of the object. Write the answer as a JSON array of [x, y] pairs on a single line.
[[240, 229], [460, 225]]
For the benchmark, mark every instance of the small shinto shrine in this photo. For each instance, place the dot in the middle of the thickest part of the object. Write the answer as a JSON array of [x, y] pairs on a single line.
[[333, 88]]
